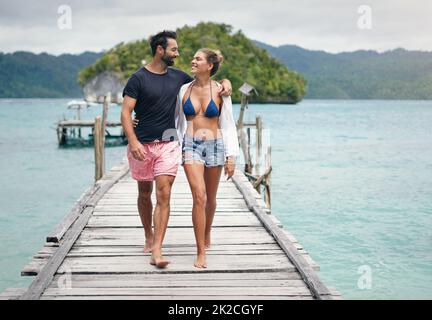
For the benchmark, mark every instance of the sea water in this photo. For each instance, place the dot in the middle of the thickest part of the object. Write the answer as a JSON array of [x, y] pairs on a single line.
[[351, 180]]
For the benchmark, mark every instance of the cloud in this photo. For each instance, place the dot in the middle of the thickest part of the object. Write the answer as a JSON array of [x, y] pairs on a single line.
[[322, 25]]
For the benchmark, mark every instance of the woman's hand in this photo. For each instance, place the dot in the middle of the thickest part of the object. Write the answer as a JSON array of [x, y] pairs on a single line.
[[229, 166], [135, 122]]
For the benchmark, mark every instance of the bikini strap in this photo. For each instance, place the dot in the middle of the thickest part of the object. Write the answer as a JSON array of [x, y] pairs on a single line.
[[191, 86]]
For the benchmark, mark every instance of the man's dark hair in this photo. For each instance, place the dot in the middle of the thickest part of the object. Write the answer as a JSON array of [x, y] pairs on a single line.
[[161, 39]]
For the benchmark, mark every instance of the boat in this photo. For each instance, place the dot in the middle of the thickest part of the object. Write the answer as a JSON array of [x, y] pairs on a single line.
[[70, 133]]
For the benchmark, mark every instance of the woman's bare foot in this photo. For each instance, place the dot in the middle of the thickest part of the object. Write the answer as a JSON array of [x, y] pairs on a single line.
[[200, 261]]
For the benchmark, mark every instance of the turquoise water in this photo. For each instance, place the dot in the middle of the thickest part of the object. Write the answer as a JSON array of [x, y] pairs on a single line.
[[352, 180]]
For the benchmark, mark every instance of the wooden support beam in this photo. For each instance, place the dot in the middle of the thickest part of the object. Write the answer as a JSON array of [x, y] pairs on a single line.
[[98, 148]]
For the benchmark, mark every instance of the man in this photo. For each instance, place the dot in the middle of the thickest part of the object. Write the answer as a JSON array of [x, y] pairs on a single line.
[[153, 155]]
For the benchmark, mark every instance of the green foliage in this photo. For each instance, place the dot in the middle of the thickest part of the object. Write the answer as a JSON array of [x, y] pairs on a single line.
[[244, 62], [396, 74], [28, 75]]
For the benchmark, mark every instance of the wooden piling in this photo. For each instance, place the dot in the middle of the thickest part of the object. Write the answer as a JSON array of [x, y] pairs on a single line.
[[258, 147], [98, 148], [267, 179]]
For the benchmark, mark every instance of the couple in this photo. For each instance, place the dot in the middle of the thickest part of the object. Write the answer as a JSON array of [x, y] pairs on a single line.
[[178, 119]]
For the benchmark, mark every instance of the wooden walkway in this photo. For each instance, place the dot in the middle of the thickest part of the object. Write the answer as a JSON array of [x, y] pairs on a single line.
[[96, 252]]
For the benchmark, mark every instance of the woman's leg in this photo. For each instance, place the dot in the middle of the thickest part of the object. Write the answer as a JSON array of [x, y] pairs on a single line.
[[195, 175], [211, 178]]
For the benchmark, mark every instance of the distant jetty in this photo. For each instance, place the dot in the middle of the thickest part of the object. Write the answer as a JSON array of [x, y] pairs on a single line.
[[69, 132]]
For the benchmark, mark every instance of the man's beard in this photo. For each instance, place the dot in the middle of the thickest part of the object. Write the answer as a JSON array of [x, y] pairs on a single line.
[[169, 61]]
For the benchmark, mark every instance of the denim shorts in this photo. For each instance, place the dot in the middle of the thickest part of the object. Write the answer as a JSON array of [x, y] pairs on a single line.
[[209, 152]]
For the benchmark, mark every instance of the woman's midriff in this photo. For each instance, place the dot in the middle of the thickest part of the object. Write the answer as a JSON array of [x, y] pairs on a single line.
[[203, 128]]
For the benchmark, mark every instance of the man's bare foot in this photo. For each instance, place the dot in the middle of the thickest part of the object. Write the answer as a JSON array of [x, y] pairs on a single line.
[[148, 246], [159, 262], [157, 259], [200, 261]]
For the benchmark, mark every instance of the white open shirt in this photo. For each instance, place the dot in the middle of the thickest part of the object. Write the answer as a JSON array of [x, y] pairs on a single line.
[[226, 123]]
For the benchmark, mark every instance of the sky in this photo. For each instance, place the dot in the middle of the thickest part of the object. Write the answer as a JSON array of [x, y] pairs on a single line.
[[72, 26]]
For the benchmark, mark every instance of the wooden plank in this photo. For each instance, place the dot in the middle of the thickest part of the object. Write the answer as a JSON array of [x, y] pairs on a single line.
[[111, 282], [318, 289], [191, 298], [174, 209], [58, 232], [185, 291], [173, 213], [226, 235], [11, 293], [168, 278], [183, 263], [170, 251], [174, 201], [34, 267], [45, 276], [225, 249], [221, 195], [175, 221]]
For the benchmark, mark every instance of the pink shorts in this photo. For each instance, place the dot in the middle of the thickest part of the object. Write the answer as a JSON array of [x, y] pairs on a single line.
[[161, 158]]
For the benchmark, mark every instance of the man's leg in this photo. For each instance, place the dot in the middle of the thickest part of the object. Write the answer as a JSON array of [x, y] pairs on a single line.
[[160, 218], [145, 209]]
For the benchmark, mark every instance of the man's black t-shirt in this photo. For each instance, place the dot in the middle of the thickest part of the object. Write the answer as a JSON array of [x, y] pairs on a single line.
[[156, 96]]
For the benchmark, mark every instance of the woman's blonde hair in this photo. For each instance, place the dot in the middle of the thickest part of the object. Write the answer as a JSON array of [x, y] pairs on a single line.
[[214, 57]]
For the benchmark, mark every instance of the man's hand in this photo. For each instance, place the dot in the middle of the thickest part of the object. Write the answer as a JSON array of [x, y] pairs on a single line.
[[135, 122], [137, 150], [229, 166], [226, 89]]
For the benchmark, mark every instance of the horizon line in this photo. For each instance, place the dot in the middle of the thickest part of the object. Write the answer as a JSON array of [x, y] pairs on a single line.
[[273, 46]]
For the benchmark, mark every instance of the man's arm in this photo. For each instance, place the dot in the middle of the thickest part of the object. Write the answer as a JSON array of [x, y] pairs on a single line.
[[226, 88], [136, 147]]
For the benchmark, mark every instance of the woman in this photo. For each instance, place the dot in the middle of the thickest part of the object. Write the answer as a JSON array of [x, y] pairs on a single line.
[[208, 135]]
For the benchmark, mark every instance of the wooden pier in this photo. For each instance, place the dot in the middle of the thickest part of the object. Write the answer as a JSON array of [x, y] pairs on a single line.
[[96, 252], [69, 131]]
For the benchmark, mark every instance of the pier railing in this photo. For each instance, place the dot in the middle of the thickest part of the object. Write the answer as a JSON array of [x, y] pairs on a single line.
[[258, 176]]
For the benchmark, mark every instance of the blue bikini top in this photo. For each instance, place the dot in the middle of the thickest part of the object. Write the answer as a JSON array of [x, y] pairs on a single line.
[[211, 111]]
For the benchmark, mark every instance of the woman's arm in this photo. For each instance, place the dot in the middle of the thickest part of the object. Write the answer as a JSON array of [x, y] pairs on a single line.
[[229, 134], [180, 118]]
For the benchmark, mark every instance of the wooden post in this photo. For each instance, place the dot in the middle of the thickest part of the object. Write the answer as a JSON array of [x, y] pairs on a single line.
[[267, 178], [107, 100], [258, 149], [249, 165], [106, 104], [79, 118], [99, 148], [242, 109], [241, 134]]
